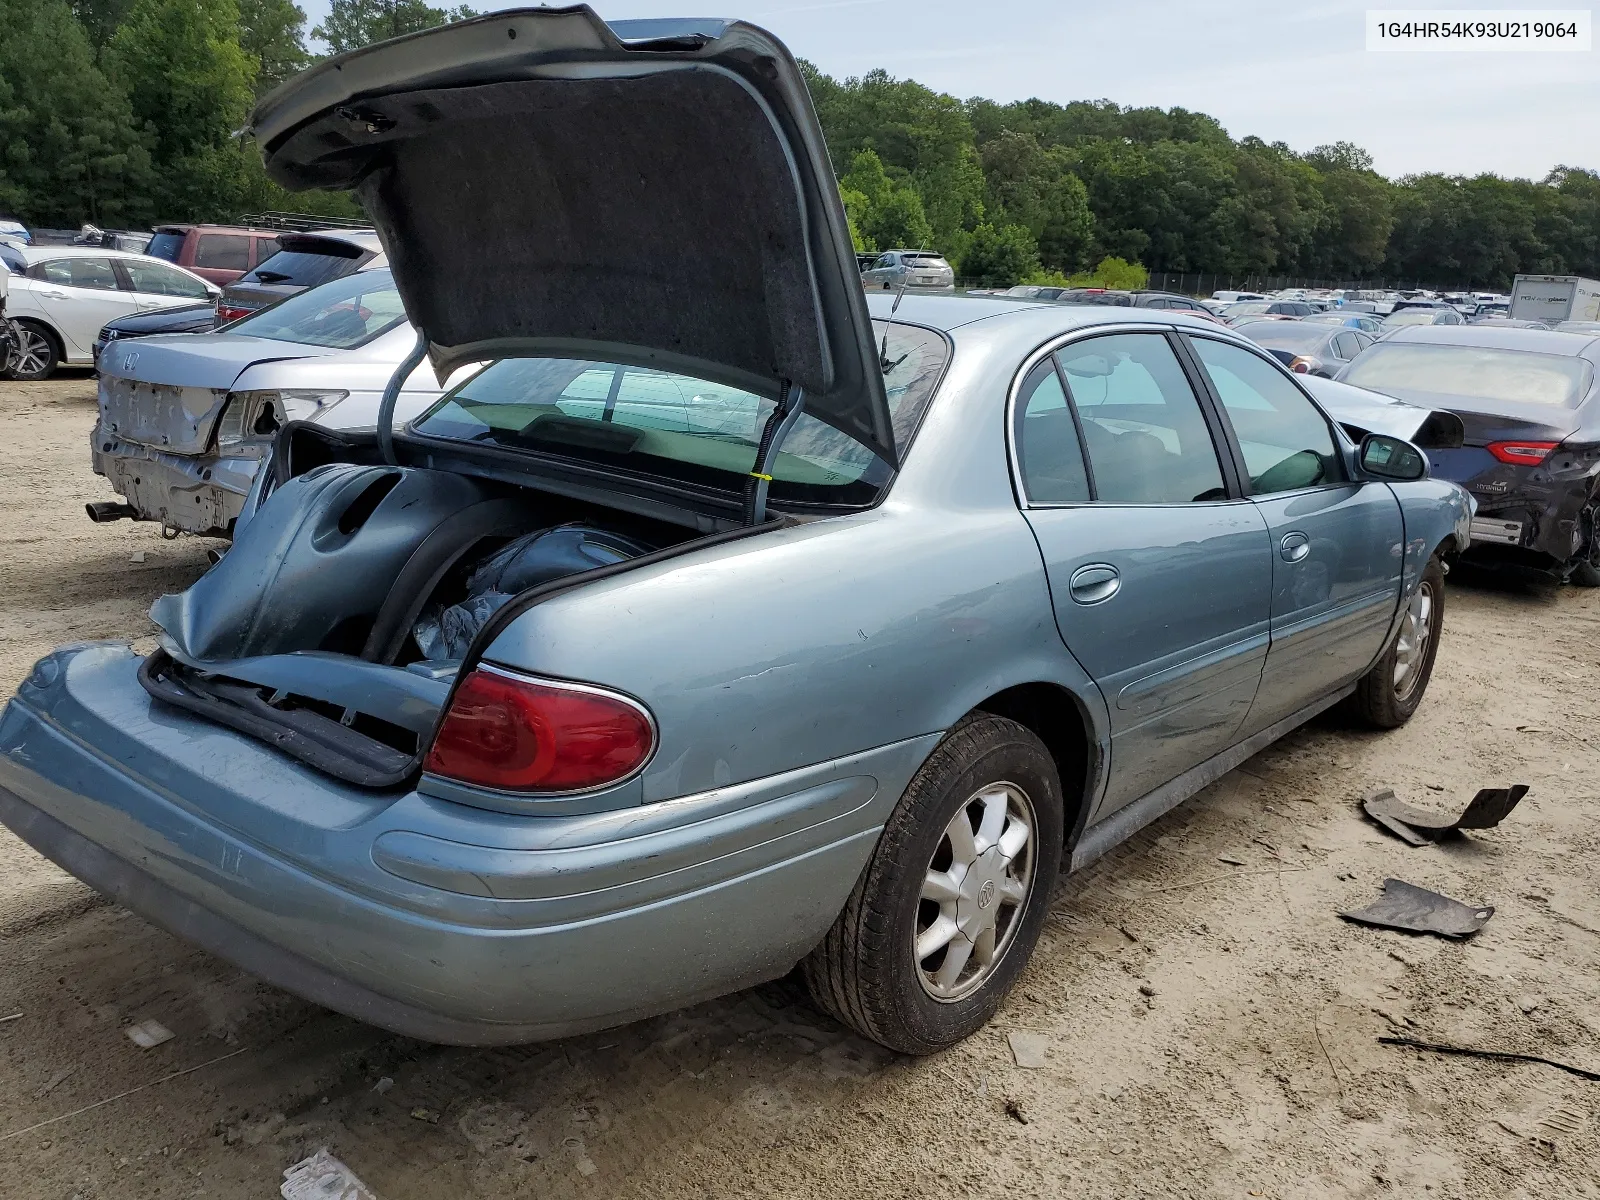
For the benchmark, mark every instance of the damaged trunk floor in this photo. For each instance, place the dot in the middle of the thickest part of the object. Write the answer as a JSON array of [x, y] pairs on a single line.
[[1208, 1029]]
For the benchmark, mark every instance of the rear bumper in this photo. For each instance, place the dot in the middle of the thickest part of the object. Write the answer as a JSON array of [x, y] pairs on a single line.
[[194, 493], [433, 919]]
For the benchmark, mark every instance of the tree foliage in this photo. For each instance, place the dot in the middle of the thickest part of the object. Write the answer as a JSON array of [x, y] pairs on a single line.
[[1170, 190], [352, 24], [272, 33]]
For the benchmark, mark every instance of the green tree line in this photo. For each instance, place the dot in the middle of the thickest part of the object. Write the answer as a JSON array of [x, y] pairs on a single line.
[[1040, 190], [122, 112]]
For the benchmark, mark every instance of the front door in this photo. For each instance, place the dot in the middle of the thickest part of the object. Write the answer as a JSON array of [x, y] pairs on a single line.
[[1337, 543], [80, 296], [1160, 581]]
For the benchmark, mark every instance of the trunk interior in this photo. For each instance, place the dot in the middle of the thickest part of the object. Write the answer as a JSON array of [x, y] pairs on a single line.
[[336, 625]]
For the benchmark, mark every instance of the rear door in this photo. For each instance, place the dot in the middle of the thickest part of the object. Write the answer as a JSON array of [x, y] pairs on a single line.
[[80, 296], [1160, 575], [1337, 543]]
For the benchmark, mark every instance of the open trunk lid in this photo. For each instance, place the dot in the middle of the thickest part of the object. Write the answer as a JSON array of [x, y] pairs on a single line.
[[653, 192]]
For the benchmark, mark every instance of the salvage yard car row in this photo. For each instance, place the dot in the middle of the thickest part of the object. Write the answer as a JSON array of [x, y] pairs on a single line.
[[684, 644]]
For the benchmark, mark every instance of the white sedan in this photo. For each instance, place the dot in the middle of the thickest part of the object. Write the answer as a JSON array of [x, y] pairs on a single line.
[[64, 295]]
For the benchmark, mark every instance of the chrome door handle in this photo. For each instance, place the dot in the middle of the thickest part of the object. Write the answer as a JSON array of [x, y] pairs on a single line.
[[1094, 583], [1294, 547]]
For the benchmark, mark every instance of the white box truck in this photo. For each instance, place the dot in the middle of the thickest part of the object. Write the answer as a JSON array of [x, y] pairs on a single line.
[[1555, 298]]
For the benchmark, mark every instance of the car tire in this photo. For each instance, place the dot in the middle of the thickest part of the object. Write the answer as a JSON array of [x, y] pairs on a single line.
[[38, 351], [1586, 572], [1388, 694], [927, 881]]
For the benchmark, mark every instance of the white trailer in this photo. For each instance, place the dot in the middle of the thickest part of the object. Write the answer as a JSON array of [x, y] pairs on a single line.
[[1555, 298]]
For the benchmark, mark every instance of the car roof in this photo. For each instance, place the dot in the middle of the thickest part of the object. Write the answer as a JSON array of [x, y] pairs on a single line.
[[1496, 337], [33, 254], [185, 226], [946, 313]]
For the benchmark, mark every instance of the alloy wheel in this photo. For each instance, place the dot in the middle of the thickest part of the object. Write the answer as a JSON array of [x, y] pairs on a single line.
[[1411, 647], [974, 891], [32, 353]]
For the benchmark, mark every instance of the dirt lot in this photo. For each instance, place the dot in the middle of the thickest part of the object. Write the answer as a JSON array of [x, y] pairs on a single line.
[[1212, 1024]]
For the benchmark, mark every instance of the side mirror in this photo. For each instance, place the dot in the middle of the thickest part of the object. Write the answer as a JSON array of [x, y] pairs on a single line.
[[1384, 457]]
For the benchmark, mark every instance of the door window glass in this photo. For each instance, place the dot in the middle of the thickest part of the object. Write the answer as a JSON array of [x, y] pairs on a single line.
[[223, 251], [1345, 345], [1047, 440], [95, 273], [1146, 438], [1286, 442], [156, 279]]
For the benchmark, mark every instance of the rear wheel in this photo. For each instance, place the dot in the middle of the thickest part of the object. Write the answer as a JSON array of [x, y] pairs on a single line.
[[1586, 573], [1389, 693], [946, 914], [36, 356]]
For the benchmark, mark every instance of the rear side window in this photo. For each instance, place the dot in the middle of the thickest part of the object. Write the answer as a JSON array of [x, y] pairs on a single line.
[[166, 245], [1046, 436], [304, 268], [1146, 438], [265, 248], [223, 251], [1285, 440], [93, 273]]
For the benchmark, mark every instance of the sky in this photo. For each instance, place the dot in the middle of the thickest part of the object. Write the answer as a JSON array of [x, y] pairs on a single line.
[[1295, 71]]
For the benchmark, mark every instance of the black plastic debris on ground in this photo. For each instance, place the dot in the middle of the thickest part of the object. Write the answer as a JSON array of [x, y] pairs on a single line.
[[1498, 1055], [1419, 827], [1413, 909]]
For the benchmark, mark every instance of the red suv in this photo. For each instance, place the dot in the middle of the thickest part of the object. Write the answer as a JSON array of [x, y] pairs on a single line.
[[219, 253]]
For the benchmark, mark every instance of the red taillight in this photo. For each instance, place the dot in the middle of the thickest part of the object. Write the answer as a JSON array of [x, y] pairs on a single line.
[[226, 313], [1521, 454], [1304, 364], [525, 735]]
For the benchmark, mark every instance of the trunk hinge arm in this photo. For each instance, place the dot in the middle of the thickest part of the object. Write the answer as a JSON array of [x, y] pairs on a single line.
[[391, 396], [791, 404]]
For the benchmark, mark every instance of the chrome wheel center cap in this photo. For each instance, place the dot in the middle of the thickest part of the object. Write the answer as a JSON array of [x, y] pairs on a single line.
[[976, 910]]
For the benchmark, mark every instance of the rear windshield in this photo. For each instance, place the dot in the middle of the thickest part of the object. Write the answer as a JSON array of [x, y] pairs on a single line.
[[306, 268], [165, 245], [688, 429], [1472, 371], [926, 260], [341, 314]]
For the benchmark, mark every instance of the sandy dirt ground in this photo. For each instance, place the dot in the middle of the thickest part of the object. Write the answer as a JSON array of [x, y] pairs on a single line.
[[1211, 1023]]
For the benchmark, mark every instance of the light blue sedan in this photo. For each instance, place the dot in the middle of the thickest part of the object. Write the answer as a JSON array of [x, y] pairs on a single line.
[[726, 622]]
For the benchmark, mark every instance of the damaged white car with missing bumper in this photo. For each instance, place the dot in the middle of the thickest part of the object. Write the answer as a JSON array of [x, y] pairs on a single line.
[[186, 419]]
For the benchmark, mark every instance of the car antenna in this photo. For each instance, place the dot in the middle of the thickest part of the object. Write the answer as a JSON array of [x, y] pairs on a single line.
[[883, 350]]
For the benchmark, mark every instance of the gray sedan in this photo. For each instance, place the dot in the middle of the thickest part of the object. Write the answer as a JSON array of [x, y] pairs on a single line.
[[1307, 347], [690, 642]]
